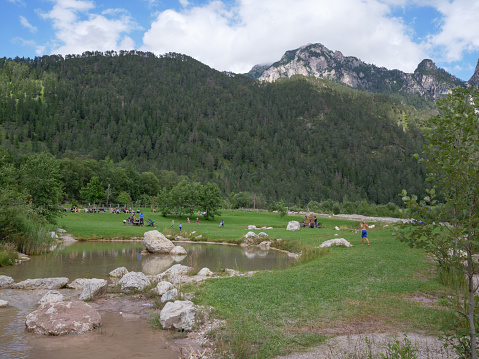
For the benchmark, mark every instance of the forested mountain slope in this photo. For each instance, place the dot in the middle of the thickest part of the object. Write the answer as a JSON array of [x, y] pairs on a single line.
[[297, 139]]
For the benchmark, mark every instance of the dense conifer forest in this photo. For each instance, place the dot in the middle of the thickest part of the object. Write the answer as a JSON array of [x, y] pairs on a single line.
[[131, 116]]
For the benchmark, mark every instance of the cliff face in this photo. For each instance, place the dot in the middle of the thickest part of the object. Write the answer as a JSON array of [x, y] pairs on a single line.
[[474, 80], [316, 60]]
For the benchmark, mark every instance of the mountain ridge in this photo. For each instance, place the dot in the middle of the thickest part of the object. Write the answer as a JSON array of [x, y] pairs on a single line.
[[427, 81]]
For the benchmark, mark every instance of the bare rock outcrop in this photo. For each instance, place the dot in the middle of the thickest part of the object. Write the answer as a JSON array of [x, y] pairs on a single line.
[[6, 281], [61, 318], [118, 272]]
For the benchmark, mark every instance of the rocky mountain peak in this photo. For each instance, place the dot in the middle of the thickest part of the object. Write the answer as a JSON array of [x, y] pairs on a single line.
[[316, 60], [474, 80]]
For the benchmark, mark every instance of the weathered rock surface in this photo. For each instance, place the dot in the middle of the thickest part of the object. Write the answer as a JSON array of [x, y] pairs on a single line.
[[3, 303], [251, 235], [163, 287], [265, 245], [61, 318], [156, 242], [118, 272], [293, 226], [6, 281], [42, 283], [175, 273], [92, 288], [77, 283], [263, 235], [51, 297], [179, 315], [170, 295], [205, 272], [178, 250], [134, 281], [336, 242]]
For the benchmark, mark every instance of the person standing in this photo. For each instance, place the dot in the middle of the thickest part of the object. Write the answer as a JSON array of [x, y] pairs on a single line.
[[141, 219], [364, 232], [181, 226], [197, 220], [172, 223]]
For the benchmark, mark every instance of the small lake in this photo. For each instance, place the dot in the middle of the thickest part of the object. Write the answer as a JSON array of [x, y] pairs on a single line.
[[98, 259]]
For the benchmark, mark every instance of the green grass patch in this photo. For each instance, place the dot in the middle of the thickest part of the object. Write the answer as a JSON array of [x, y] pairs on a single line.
[[275, 312]]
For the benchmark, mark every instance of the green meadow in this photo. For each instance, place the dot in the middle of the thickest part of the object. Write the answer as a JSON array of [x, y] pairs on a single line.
[[384, 287]]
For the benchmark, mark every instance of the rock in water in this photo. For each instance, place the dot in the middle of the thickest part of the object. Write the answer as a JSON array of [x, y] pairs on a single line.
[[61, 318], [156, 242]]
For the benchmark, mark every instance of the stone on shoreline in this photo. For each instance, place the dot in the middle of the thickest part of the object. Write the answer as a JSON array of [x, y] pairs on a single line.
[[51, 297], [42, 283], [92, 288], [134, 281], [118, 272], [6, 281], [179, 315], [178, 250]]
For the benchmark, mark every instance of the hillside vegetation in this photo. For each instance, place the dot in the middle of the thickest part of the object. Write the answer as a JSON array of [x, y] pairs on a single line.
[[297, 139]]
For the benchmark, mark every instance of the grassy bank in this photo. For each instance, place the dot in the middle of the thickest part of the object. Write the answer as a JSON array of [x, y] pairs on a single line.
[[385, 287]]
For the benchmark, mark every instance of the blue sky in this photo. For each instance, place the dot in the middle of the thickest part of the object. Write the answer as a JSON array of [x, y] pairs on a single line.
[[234, 35]]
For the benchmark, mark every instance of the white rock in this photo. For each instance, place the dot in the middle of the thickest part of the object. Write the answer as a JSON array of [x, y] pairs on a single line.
[[3, 303], [372, 226], [53, 235], [42, 283], [92, 288], [156, 242], [263, 235], [170, 295], [178, 250], [77, 283], [251, 235], [118, 272], [336, 242], [205, 272], [251, 226], [336, 228], [134, 281], [163, 287], [265, 245], [60, 318], [51, 297], [61, 230], [178, 314], [199, 237], [6, 281], [293, 226], [175, 273]]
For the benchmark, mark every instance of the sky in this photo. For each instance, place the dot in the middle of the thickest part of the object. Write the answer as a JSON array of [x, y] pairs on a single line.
[[235, 35]]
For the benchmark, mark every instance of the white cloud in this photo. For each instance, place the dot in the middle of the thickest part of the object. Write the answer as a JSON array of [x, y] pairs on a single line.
[[248, 32], [458, 31], [26, 23], [78, 30], [17, 2]]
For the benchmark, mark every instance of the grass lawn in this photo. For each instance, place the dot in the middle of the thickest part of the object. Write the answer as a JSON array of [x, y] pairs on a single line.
[[366, 288]]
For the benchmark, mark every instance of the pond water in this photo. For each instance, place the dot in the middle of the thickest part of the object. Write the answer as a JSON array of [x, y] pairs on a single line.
[[96, 260]]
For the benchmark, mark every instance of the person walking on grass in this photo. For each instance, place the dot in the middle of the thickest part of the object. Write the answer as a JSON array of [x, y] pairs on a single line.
[[364, 232], [181, 226]]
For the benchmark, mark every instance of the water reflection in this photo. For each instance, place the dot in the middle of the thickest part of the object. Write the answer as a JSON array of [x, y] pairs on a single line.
[[97, 259]]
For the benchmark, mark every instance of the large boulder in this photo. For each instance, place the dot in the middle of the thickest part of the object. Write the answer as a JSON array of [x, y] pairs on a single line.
[[6, 281], [134, 281], [336, 242], [251, 235], [179, 315], [92, 288], [60, 318], [42, 283], [52, 296], [118, 272], [265, 245], [293, 226], [3, 303], [156, 242]]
